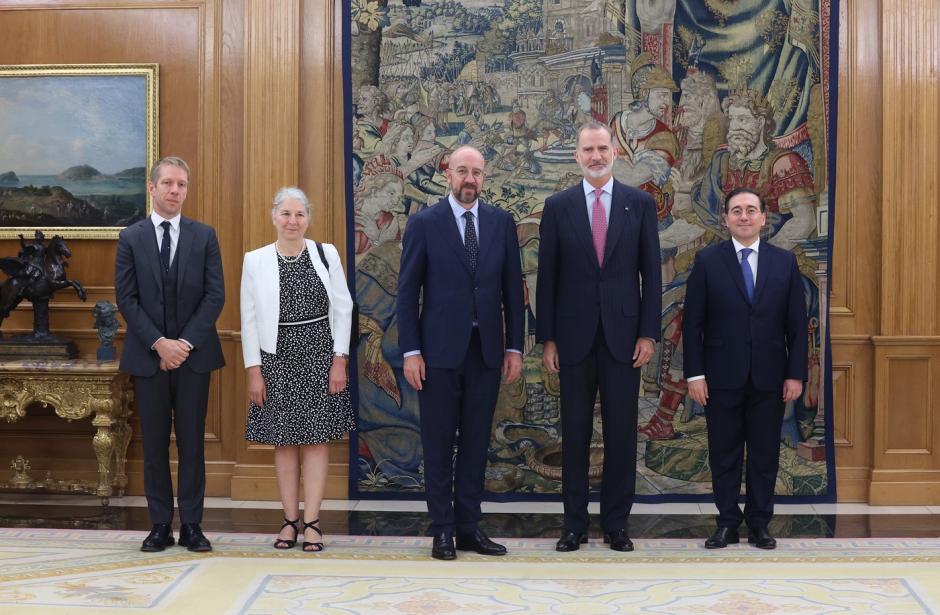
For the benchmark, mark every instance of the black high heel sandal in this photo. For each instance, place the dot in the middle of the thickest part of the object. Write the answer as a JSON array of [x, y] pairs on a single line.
[[283, 543], [312, 547]]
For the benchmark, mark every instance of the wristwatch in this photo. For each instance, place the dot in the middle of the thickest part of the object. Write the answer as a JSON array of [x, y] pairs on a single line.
[[341, 355]]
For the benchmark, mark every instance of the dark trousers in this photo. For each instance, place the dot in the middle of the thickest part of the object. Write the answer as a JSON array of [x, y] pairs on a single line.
[[178, 397], [739, 419], [457, 405], [619, 385]]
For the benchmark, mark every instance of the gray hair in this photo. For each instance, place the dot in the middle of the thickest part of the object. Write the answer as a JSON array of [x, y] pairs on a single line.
[[290, 192], [173, 161], [595, 125]]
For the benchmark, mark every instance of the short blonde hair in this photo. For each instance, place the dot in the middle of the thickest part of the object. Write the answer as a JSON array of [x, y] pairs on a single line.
[[173, 161]]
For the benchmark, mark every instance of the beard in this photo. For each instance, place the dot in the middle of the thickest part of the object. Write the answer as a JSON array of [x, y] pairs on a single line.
[[467, 194], [597, 172], [741, 142]]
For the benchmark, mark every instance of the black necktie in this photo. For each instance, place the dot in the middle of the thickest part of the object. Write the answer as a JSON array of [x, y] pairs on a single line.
[[165, 247], [470, 241]]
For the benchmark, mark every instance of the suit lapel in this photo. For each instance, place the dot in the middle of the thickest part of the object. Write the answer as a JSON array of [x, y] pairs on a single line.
[[449, 229], [578, 217], [734, 267], [149, 238], [183, 246], [487, 230], [618, 220], [764, 263]]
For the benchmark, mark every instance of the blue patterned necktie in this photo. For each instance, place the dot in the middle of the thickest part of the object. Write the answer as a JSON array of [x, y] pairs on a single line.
[[165, 247], [747, 273], [470, 241]]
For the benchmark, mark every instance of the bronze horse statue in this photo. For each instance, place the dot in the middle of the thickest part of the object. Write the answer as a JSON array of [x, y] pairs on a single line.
[[36, 274]]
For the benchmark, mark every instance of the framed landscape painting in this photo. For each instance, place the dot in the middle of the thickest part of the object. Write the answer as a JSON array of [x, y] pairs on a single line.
[[76, 142]]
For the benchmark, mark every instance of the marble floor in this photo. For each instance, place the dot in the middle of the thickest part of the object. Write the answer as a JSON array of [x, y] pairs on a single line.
[[512, 520]]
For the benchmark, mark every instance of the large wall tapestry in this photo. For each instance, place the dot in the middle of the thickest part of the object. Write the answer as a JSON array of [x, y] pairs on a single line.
[[703, 96]]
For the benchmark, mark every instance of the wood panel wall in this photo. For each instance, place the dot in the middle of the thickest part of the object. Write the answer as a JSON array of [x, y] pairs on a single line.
[[250, 93], [884, 306]]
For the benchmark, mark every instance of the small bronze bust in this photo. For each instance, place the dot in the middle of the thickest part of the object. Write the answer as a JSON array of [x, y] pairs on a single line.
[[107, 325]]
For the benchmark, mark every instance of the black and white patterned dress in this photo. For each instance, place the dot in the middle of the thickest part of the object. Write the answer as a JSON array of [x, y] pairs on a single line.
[[299, 409]]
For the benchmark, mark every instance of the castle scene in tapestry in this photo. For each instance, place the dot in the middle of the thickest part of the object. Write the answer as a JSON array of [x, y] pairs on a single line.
[[703, 96]]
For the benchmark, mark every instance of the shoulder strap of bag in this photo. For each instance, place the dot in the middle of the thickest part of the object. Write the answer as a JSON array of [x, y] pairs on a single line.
[[322, 255]]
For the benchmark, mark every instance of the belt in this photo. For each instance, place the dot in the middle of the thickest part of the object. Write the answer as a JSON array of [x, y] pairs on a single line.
[[303, 322]]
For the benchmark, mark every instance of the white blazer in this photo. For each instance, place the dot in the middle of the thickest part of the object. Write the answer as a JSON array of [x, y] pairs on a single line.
[[260, 300]]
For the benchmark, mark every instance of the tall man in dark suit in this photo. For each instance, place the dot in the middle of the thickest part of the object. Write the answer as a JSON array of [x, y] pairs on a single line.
[[169, 288], [745, 357], [464, 255], [599, 301]]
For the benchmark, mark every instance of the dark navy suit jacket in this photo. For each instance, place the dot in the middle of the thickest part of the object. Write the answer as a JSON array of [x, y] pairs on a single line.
[[574, 292], [139, 292], [726, 338], [434, 262]]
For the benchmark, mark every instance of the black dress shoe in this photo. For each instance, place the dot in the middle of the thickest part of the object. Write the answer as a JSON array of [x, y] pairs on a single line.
[[570, 541], [443, 547], [761, 538], [481, 543], [193, 539], [618, 540], [723, 537], [159, 538]]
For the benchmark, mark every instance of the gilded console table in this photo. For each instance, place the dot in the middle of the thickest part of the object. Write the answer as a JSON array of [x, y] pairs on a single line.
[[76, 389]]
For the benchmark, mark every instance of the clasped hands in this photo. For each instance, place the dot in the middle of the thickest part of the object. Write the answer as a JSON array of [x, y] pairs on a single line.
[[172, 353]]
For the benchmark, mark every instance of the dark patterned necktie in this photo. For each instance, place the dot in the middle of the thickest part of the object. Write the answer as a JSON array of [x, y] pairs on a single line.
[[470, 241], [165, 247]]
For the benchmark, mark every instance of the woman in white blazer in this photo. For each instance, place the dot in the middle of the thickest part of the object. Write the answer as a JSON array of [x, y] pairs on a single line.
[[296, 317]]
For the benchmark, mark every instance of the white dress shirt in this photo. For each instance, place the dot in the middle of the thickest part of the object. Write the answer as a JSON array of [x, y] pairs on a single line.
[[157, 220], [606, 196], [751, 258], [459, 211]]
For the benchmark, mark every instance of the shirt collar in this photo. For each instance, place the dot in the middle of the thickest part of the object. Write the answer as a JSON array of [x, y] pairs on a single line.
[[459, 209], [738, 246], [157, 220], [608, 188]]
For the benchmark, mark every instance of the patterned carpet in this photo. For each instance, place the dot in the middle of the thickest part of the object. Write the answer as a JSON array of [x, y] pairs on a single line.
[[74, 571]]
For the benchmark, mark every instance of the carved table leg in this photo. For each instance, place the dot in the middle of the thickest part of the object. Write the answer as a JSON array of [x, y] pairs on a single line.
[[104, 446], [121, 435], [121, 395]]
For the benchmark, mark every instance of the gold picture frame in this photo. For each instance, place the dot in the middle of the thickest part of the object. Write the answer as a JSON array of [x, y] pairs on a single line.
[[84, 137]]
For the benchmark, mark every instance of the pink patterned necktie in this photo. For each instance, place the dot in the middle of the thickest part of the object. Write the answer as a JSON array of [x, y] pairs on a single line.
[[599, 226]]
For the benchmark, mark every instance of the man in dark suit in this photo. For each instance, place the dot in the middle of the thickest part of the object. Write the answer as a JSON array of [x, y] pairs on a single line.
[[599, 305], [463, 254], [745, 357], [169, 288]]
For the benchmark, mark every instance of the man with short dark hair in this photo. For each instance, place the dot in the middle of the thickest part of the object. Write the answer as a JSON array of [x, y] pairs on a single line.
[[599, 306], [169, 288], [744, 359]]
